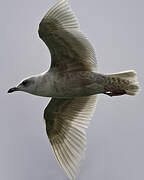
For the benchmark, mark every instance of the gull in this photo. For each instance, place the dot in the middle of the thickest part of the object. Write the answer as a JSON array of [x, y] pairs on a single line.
[[73, 84]]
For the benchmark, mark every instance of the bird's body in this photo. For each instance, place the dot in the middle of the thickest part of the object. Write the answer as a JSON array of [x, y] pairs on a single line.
[[78, 84], [73, 83], [68, 85]]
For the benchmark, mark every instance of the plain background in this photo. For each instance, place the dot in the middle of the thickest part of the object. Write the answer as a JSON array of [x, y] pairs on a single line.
[[116, 134]]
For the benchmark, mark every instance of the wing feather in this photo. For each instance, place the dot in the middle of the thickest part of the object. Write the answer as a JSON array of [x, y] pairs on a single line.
[[69, 47], [60, 16], [66, 120]]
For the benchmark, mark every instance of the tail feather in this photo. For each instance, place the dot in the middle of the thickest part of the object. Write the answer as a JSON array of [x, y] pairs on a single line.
[[133, 88], [129, 75], [128, 81]]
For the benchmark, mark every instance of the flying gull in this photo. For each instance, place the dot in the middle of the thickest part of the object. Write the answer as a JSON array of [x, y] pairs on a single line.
[[73, 83]]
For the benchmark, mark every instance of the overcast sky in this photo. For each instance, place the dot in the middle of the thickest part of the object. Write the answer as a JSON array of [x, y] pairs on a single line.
[[115, 149]]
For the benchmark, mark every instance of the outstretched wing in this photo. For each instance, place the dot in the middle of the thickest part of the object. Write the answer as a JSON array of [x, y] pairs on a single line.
[[70, 49], [66, 120]]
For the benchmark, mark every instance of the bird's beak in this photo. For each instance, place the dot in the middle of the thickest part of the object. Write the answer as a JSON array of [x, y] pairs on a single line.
[[12, 89]]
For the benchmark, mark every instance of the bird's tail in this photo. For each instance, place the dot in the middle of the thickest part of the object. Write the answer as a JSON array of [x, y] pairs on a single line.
[[122, 83]]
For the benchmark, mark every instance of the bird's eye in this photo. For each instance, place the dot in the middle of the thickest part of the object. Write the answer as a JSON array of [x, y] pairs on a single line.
[[25, 83]]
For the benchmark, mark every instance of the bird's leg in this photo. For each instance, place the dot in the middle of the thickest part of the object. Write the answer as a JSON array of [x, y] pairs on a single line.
[[117, 92]]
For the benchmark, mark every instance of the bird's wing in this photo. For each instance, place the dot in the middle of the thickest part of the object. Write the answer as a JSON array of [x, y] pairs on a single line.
[[66, 120], [69, 47]]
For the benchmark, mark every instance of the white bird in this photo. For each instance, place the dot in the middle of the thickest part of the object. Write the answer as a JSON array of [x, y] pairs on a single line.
[[73, 84]]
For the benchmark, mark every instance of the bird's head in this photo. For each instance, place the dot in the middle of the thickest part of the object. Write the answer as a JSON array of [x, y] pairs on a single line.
[[27, 85]]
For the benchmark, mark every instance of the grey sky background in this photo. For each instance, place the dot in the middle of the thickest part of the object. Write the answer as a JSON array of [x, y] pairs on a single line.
[[115, 149]]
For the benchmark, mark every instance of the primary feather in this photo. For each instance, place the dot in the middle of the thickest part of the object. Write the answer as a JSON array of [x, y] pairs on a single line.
[[69, 47], [66, 120]]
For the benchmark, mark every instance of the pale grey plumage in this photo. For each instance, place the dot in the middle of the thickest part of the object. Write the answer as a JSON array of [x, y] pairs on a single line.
[[70, 51], [70, 48], [73, 83], [66, 120]]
